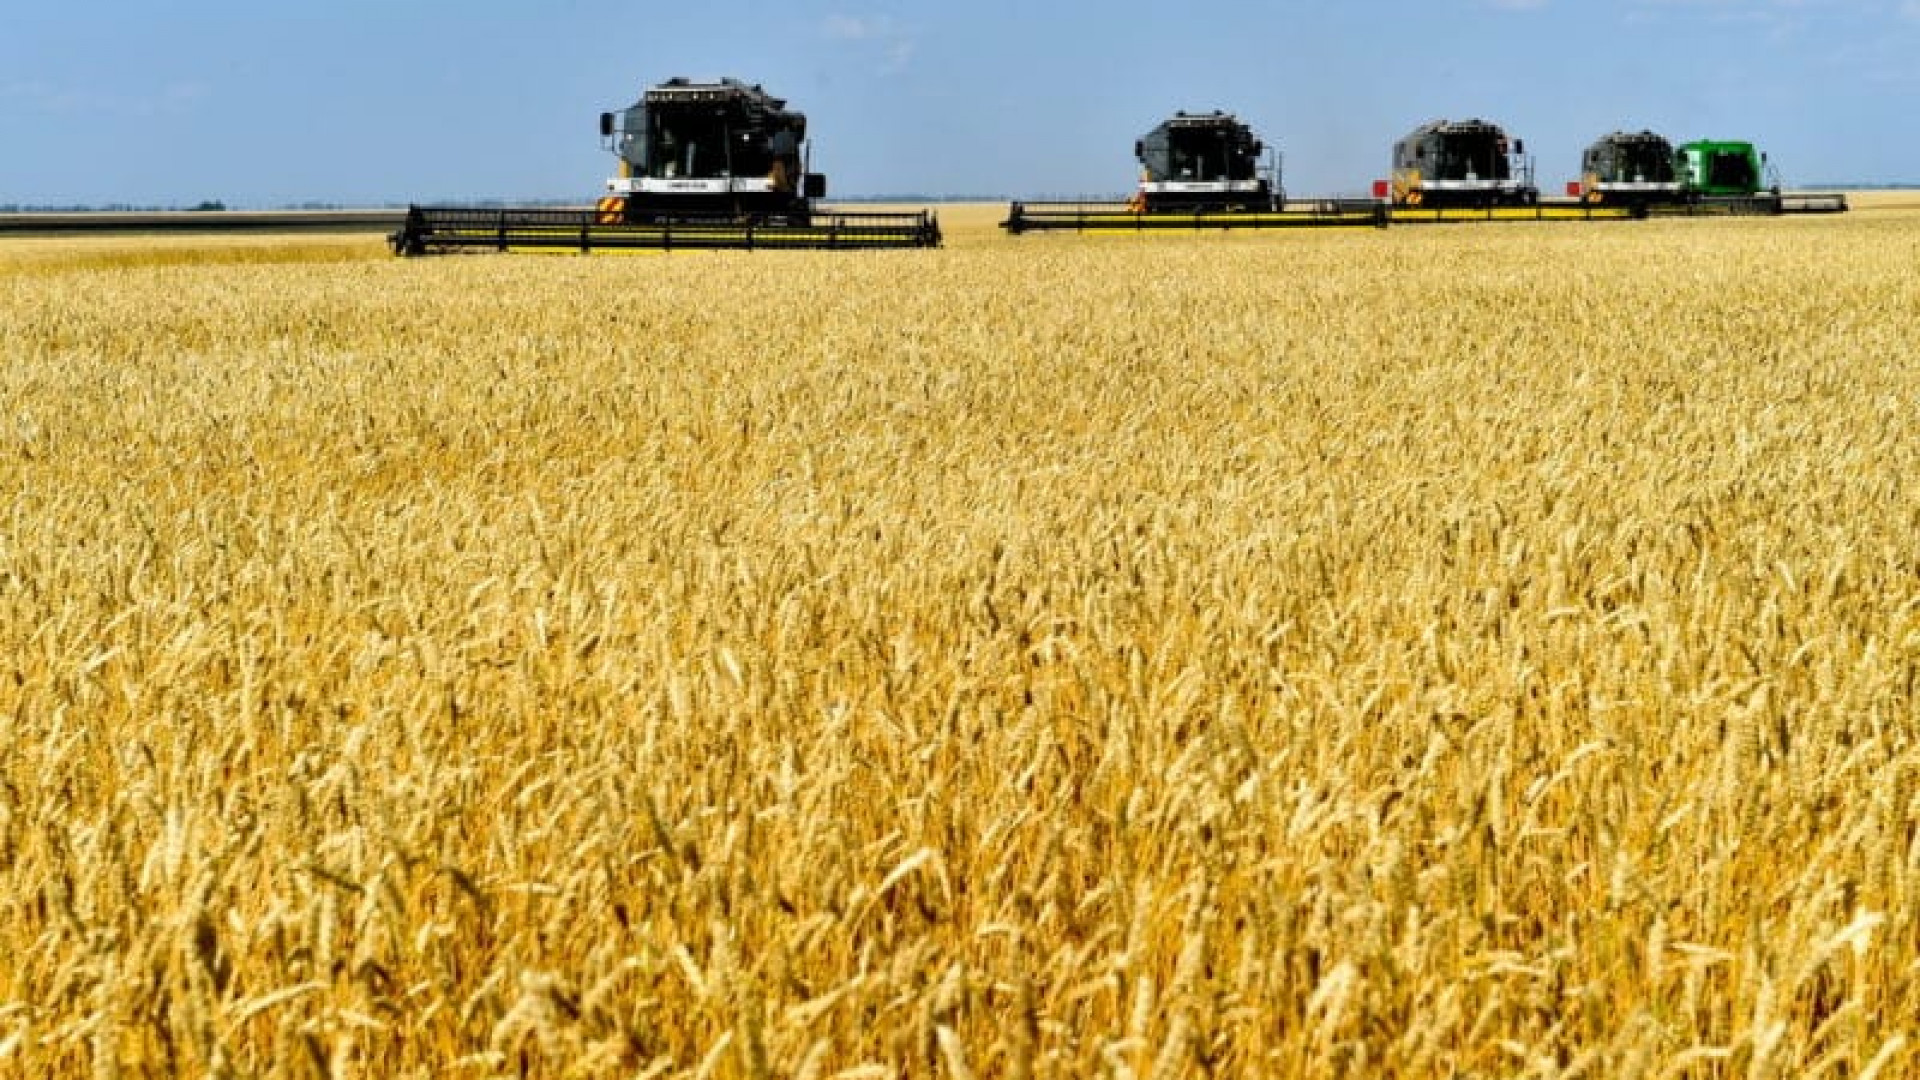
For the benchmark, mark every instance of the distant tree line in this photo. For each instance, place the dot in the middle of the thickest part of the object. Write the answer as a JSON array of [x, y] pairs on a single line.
[[147, 208]]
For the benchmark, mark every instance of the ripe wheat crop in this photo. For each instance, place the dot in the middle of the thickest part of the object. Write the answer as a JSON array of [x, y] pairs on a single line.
[[1479, 650]]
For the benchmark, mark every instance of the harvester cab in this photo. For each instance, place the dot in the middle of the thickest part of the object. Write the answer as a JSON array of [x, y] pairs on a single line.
[[1462, 163], [1205, 161], [1630, 168], [1725, 169], [703, 149]]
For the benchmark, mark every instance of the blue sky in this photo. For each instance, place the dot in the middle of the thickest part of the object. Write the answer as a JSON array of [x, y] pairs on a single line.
[[371, 101]]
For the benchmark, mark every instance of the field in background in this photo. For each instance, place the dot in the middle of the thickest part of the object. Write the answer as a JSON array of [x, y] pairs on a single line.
[[1473, 650], [1884, 200]]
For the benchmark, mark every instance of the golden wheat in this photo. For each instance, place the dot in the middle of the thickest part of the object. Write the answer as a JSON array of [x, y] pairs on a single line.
[[1459, 651]]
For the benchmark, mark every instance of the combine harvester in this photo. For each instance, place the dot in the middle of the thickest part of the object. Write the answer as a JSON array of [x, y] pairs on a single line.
[[1197, 171], [1734, 178], [1629, 168], [702, 165], [1643, 169], [1469, 170]]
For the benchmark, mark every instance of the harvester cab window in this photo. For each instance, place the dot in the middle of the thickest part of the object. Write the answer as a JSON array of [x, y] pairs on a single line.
[[664, 160], [686, 146], [1199, 157], [1463, 156], [1649, 164], [701, 155], [749, 155], [1732, 171]]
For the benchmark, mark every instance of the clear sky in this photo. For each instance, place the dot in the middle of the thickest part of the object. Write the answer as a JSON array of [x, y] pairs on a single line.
[[261, 103]]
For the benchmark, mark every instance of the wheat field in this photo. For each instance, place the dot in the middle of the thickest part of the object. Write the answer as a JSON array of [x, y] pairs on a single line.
[[1461, 651]]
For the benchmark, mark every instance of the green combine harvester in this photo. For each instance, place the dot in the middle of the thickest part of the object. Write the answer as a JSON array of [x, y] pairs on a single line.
[[1733, 177]]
